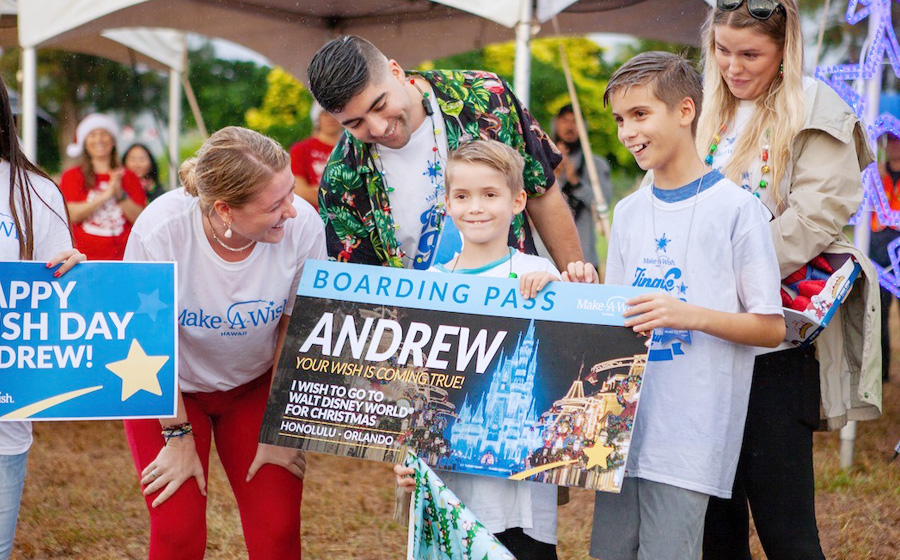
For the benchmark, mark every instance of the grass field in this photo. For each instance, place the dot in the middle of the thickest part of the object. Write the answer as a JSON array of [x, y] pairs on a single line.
[[82, 499]]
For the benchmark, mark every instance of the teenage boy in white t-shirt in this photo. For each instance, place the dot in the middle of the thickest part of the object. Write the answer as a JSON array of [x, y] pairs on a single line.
[[485, 191], [706, 244]]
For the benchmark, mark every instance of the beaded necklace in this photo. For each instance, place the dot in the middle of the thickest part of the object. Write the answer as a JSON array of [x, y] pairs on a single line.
[[434, 170], [764, 155]]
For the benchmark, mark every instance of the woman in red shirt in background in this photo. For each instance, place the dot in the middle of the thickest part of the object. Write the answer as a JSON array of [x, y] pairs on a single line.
[[103, 198], [308, 157]]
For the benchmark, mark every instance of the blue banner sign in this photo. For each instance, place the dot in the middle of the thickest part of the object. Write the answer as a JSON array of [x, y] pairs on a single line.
[[100, 342], [565, 302]]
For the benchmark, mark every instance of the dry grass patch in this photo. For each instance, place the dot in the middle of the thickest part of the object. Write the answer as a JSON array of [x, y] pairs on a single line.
[[82, 500]]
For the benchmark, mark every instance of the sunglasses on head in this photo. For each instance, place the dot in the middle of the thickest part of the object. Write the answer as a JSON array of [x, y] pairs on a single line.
[[760, 9]]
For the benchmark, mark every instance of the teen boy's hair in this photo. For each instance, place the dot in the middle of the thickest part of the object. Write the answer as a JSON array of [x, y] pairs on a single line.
[[669, 77], [494, 154], [341, 69]]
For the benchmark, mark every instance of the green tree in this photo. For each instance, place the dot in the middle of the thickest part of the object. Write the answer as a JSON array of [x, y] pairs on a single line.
[[225, 89], [71, 85], [284, 111], [590, 73]]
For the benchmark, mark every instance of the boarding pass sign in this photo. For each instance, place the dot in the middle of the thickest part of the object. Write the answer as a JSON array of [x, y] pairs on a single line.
[[461, 369]]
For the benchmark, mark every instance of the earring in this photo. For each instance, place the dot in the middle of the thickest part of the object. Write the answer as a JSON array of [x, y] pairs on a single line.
[[781, 70], [227, 230]]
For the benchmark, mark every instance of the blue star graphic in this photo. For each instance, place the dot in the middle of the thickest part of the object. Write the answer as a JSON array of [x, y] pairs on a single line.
[[662, 243], [150, 304], [682, 289], [433, 171]]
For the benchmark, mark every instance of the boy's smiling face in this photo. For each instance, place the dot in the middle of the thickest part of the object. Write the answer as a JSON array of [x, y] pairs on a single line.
[[481, 203], [648, 128]]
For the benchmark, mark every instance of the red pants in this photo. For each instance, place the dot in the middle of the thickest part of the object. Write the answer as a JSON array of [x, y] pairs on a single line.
[[269, 504]]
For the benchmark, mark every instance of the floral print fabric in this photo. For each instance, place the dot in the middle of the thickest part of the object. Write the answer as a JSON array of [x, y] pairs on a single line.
[[441, 527], [355, 203]]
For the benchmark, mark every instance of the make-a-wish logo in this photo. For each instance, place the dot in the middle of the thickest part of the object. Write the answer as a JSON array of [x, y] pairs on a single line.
[[253, 313], [8, 226], [612, 307], [238, 318], [667, 282]]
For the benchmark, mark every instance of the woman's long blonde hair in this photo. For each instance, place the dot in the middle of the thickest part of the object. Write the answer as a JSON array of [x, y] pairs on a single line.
[[780, 110]]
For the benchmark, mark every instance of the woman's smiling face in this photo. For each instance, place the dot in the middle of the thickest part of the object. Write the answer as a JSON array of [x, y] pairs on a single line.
[[748, 60]]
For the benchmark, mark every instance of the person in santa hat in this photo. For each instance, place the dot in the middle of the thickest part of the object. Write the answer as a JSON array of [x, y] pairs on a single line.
[[102, 197]]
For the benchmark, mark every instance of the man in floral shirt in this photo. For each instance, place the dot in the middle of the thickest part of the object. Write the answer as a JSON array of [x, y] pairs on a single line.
[[382, 191]]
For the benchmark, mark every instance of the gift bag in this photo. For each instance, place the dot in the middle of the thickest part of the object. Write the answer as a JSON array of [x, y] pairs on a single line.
[[811, 295]]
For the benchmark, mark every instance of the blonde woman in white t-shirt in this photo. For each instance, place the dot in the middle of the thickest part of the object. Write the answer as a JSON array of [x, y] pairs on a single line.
[[240, 237], [33, 226]]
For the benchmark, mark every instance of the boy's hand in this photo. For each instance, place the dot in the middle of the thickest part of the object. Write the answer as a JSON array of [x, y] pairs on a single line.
[[531, 283], [583, 272], [405, 478], [658, 310]]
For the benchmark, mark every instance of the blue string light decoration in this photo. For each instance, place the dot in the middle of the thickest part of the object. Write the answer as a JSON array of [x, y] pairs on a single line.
[[890, 279], [840, 78]]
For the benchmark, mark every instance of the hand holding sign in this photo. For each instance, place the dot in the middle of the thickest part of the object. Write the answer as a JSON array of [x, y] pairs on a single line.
[[68, 259]]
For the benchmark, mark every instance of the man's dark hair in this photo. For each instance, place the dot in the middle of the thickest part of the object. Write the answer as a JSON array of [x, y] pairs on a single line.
[[565, 110], [341, 69], [669, 77]]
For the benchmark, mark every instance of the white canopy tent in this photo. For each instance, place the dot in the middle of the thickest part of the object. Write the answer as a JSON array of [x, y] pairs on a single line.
[[675, 21], [161, 49], [289, 32]]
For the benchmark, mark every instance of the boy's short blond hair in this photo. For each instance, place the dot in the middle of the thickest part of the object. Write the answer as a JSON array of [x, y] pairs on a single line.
[[669, 77], [496, 155]]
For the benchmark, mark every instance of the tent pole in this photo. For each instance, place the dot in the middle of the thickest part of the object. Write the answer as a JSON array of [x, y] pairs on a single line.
[[862, 231], [29, 103], [600, 210], [195, 107], [821, 36], [174, 128], [522, 75]]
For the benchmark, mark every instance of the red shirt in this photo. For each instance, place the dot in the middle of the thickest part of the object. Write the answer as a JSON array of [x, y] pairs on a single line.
[[890, 192], [308, 158], [103, 235]]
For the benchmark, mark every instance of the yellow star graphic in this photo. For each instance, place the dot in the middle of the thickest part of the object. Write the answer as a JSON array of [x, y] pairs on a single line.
[[597, 455], [138, 371]]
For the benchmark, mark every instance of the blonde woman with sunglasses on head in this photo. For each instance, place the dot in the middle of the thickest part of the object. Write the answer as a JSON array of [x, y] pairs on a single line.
[[795, 144]]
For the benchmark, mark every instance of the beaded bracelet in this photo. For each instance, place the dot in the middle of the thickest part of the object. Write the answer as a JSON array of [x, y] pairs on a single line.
[[177, 431]]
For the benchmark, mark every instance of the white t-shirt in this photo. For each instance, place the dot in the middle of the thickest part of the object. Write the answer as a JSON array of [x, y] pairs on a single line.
[[51, 236], [228, 312], [750, 178], [498, 503], [418, 184], [690, 419]]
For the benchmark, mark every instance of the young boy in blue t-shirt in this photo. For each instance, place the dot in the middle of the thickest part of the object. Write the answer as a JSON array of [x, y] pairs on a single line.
[[706, 243]]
